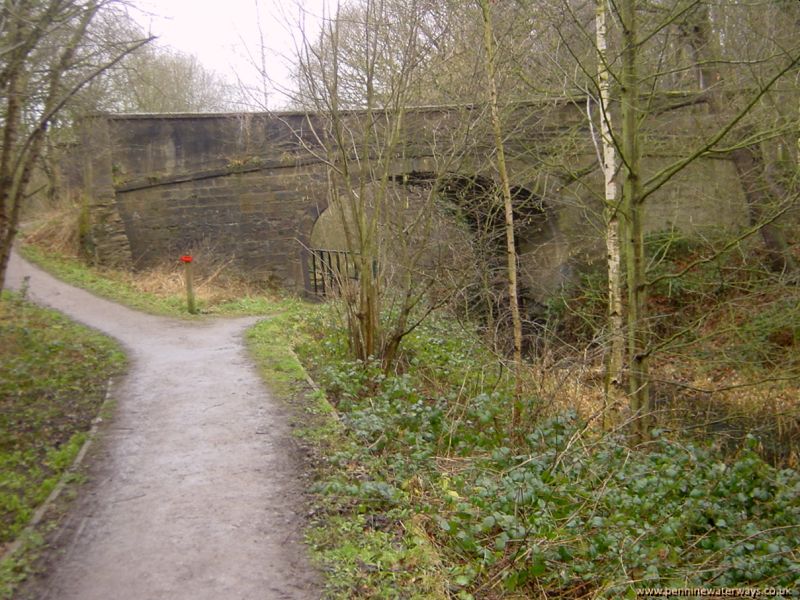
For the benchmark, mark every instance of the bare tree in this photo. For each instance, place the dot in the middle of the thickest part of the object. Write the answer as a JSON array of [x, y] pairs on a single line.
[[44, 61], [762, 185], [163, 81], [724, 74], [358, 76], [645, 68], [645, 58], [152, 78]]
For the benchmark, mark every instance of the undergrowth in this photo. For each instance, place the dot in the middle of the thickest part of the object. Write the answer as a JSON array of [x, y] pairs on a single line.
[[566, 512], [726, 341], [53, 377], [363, 554]]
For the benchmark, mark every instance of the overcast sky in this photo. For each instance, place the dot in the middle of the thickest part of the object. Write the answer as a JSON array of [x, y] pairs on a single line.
[[224, 34]]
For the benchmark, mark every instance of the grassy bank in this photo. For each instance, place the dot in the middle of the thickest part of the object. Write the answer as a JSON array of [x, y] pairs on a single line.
[[53, 378], [362, 554]]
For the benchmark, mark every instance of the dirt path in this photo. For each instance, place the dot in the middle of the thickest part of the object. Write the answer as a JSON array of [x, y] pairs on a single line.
[[193, 489]]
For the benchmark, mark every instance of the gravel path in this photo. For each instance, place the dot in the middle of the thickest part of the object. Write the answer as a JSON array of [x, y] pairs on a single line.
[[194, 485]]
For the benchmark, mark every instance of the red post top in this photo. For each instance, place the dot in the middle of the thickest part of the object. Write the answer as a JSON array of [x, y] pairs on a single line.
[[186, 258]]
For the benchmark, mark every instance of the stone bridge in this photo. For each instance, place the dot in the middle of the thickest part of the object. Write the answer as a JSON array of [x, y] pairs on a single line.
[[251, 187]]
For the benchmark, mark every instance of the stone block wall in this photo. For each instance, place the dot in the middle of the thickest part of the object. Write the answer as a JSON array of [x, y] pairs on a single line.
[[239, 187], [261, 220], [248, 188]]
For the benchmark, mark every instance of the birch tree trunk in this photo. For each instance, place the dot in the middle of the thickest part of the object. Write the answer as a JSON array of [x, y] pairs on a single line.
[[616, 343]]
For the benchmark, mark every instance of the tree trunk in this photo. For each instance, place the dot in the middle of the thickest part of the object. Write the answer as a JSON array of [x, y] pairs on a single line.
[[11, 123], [511, 253], [6, 243], [752, 168], [633, 208], [7, 231], [616, 343]]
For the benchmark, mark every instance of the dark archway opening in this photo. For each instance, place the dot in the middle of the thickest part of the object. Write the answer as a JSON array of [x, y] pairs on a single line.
[[475, 201]]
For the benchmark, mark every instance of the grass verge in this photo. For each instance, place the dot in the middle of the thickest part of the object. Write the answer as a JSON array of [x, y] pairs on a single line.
[[106, 283], [53, 377], [362, 555], [160, 291]]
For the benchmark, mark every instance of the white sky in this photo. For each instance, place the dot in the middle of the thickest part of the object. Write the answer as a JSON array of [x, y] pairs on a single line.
[[224, 35]]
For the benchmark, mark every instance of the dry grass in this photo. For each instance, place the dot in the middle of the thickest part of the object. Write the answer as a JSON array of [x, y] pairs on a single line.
[[709, 407], [216, 279], [56, 231], [725, 410], [214, 282]]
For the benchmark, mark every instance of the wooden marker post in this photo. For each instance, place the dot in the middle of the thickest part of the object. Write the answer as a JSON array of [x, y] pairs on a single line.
[[187, 273]]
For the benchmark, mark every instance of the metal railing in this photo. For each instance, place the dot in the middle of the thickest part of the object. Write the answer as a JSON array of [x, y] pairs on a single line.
[[329, 269]]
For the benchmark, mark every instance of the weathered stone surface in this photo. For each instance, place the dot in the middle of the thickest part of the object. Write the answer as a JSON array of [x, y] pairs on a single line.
[[250, 187]]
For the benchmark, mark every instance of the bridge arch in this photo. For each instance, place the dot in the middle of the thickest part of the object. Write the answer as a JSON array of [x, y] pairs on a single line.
[[468, 215]]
